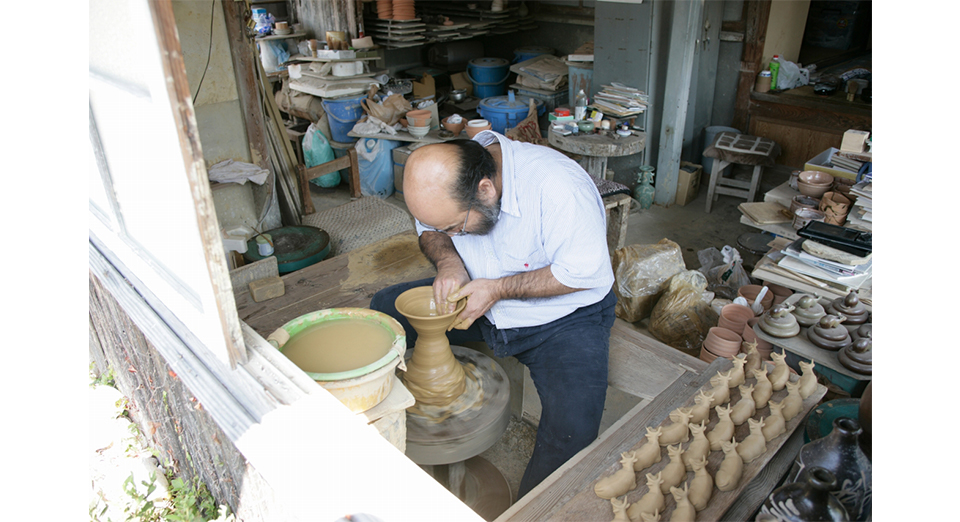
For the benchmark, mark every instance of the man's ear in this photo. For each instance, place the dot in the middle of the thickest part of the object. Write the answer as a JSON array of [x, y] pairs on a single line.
[[487, 191]]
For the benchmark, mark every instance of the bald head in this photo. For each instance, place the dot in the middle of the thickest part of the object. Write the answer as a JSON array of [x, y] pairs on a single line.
[[442, 178]]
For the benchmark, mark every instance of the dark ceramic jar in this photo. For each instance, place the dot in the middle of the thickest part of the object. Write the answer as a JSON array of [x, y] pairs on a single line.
[[808, 499], [840, 453]]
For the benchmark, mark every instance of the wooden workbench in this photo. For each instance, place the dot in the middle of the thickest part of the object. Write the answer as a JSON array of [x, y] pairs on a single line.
[[664, 378]]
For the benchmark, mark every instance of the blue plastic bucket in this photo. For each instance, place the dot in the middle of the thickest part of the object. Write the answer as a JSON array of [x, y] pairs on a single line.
[[489, 76], [522, 54], [343, 115], [505, 112]]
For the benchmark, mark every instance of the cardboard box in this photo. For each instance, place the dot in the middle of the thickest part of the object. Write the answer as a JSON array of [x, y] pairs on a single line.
[[425, 88], [460, 81], [688, 183], [822, 163], [398, 181]]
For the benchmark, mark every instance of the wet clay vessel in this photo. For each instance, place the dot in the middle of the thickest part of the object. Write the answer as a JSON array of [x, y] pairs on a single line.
[[808, 311], [850, 307], [858, 357], [779, 322], [829, 334]]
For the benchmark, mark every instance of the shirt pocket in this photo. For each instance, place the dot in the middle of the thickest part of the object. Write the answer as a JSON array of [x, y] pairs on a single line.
[[522, 256]]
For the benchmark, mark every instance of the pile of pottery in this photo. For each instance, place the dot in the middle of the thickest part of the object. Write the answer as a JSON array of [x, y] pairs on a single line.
[[404, 10], [738, 321], [750, 293], [418, 122], [814, 183], [720, 342]]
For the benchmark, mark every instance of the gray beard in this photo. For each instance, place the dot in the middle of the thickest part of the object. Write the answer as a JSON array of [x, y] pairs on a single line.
[[489, 215]]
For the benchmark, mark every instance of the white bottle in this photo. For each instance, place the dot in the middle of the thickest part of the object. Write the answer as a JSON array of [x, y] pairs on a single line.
[[581, 106]]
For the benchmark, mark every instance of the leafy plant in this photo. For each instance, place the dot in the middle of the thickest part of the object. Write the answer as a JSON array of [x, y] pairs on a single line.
[[107, 378]]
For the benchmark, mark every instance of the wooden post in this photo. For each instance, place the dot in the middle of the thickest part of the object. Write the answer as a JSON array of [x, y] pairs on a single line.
[[243, 68], [683, 37], [756, 17]]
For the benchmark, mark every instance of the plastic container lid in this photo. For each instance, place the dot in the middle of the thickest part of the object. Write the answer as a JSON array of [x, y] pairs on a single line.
[[766, 73]]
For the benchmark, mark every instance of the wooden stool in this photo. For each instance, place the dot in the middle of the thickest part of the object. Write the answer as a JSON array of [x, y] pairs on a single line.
[[731, 148]]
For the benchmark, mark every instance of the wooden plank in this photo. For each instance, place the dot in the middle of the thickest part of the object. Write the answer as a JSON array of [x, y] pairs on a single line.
[[756, 16], [585, 505], [342, 281], [683, 44], [625, 330], [579, 473]]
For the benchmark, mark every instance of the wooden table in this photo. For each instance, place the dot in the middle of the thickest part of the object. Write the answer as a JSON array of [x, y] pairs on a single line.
[[596, 148]]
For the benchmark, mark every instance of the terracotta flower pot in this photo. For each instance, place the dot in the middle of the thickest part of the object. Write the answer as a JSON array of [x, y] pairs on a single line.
[[723, 342], [419, 118], [750, 293], [455, 128], [734, 317], [474, 127], [706, 355]]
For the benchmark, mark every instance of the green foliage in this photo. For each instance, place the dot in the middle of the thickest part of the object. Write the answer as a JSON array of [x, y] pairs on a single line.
[[107, 378], [191, 501]]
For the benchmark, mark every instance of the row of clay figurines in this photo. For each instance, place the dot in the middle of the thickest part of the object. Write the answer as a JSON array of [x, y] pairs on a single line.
[[692, 422]]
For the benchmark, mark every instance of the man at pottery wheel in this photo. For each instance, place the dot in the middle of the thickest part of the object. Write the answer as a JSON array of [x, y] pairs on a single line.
[[519, 230]]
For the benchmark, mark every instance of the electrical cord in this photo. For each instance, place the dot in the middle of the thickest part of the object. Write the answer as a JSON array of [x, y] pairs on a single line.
[[213, 5]]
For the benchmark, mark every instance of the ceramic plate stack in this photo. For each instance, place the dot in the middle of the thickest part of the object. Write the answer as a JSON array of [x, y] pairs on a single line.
[[403, 10], [385, 9]]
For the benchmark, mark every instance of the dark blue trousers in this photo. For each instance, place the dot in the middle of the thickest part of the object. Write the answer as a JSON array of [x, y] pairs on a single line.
[[567, 359]]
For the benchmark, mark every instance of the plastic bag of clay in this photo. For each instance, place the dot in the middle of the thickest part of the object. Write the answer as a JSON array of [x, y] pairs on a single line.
[[641, 273], [683, 315], [724, 271], [317, 151]]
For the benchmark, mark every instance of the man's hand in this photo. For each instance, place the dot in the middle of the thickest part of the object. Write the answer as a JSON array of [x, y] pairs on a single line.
[[450, 279], [481, 294]]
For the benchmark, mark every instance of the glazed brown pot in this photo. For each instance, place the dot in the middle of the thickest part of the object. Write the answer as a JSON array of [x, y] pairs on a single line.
[[734, 317], [750, 293], [723, 342]]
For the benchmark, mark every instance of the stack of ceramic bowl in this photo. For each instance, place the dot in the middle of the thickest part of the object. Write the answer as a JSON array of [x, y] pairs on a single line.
[[474, 127], [805, 215], [403, 10], [384, 9], [802, 201], [814, 183], [750, 293], [750, 336], [720, 342], [418, 122]]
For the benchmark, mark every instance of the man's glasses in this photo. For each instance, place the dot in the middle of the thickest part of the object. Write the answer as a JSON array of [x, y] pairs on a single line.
[[463, 229]]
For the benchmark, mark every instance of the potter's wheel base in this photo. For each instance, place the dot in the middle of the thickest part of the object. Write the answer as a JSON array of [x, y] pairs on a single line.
[[480, 486]]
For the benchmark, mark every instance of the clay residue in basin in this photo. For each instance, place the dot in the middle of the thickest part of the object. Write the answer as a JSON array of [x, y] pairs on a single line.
[[338, 346]]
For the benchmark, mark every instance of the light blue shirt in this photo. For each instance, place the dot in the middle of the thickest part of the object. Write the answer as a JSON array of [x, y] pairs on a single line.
[[550, 214]]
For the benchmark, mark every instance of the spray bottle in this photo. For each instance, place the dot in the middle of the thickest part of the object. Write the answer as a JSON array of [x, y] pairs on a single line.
[[774, 71]]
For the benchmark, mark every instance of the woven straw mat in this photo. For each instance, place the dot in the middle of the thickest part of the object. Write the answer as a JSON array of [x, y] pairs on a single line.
[[359, 223]]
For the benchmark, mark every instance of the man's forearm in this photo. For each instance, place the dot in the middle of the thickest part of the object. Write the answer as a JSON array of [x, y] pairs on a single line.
[[538, 283], [439, 249]]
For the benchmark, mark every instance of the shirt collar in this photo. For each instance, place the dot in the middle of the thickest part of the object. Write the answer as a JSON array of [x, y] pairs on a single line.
[[508, 200]]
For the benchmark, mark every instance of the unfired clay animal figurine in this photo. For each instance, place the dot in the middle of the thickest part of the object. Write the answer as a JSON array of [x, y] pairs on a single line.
[[808, 379], [623, 480], [721, 387], [699, 447], [745, 407], [792, 403], [649, 453], [781, 372], [763, 389], [701, 487], [674, 473], [676, 431], [755, 444], [731, 469], [754, 359], [701, 411], [723, 430], [620, 509], [650, 517], [737, 375], [651, 502], [684, 512], [775, 424]]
